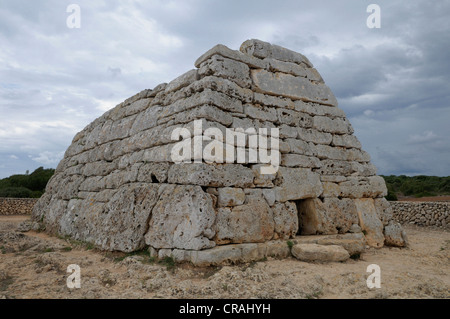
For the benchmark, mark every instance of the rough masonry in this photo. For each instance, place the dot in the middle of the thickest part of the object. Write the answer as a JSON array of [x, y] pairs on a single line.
[[119, 188]]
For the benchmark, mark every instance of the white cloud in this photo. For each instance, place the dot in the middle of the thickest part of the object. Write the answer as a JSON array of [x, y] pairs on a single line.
[[48, 158], [425, 137]]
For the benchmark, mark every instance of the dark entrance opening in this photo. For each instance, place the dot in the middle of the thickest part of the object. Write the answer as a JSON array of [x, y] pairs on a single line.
[[307, 219]]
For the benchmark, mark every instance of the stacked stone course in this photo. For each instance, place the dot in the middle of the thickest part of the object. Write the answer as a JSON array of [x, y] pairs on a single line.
[[17, 206], [119, 188], [435, 214]]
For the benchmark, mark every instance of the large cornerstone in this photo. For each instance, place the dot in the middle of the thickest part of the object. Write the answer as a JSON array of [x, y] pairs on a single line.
[[119, 187]]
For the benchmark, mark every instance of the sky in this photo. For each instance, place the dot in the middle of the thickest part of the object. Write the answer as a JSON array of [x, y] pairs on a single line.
[[393, 82]]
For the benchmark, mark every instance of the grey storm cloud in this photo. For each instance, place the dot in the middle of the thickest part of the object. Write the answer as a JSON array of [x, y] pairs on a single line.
[[392, 82]]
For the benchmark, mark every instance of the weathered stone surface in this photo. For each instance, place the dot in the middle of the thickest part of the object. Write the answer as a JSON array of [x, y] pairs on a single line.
[[369, 222], [231, 54], [249, 223], [384, 210], [202, 174], [346, 140], [182, 218], [296, 183], [320, 253], [311, 135], [394, 235], [330, 216], [352, 246], [182, 81], [358, 187], [297, 160], [261, 49], [286, 220], [229, 196], [296, 88], [226, 68], [260, 112]]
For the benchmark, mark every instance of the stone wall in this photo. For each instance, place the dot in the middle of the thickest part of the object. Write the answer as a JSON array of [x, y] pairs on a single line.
[[17, 206], [422, 213]]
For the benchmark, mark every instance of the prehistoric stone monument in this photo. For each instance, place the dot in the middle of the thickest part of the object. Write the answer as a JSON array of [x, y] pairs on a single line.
[[120, 188]]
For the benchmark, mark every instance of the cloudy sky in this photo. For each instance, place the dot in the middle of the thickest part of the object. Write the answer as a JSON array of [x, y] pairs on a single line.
[[392, 82]]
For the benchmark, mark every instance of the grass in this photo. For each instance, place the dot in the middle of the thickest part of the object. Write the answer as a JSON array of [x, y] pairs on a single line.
[[169, 262], [6, 282]]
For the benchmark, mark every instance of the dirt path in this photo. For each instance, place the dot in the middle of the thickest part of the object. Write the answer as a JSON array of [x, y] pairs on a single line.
[[33, 265]]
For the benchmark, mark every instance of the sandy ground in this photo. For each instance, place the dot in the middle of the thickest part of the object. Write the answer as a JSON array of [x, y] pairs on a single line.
[[34, 265]]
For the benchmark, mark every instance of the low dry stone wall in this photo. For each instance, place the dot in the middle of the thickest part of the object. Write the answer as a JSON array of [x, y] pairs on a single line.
[[17, 206], [422, 213]]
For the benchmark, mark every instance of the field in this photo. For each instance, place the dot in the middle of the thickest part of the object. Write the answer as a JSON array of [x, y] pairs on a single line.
[[34, 265]]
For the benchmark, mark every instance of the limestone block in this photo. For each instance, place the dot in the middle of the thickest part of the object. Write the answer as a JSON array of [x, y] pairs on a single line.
[[352, 246], [229, 196], [330, 216], [137, 106], [261, 49], [206, 97], [277, 249], [230, 69], [360, 187], [70, 186], [182, 218], [146, 119], [269, 195], [92, 184], [300, 147], [249, 223], [320, 253], [270, 100], [297, 160], [394, 235], [314, 136], [287, 67], [384, 210], [369, 222], [296, 88], [287, 131], [207, 112], [346, 140], [127, 213], [153, 173], [315, 109], [216, 256], [296, 183], [100, 168], [341, 154], [223, 175], [222, 85], [331, 190], [286, 220], [182, 81], [260, 112], [330, 125], [291, 117], [224, 51]]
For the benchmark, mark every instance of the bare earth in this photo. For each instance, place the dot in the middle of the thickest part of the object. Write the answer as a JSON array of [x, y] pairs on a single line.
[[34, 265]]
